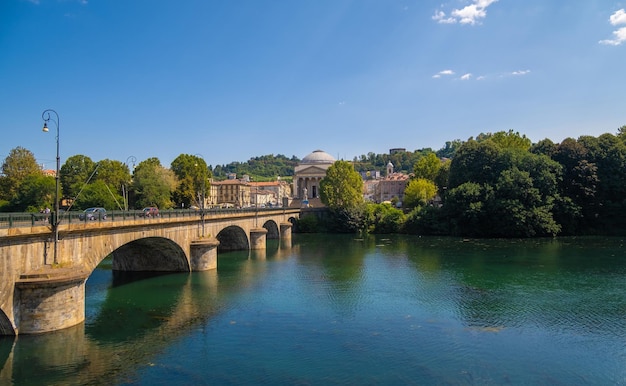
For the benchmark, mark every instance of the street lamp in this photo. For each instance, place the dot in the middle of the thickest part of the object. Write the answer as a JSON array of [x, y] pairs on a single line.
[[133, 159], [202, 195], [55, 215], [256, 205]]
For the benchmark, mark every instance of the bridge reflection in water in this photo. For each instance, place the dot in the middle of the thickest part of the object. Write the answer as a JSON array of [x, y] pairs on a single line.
[[131, 318]]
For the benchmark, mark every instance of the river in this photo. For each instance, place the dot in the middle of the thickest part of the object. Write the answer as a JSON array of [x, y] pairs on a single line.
[[339, 310]]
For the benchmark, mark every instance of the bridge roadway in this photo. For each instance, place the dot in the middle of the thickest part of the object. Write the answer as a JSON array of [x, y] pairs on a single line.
[[38, 294]]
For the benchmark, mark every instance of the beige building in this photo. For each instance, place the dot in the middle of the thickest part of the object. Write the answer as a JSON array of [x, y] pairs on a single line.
[[270, 192], [309, 173], [231, 193], [392, 185]]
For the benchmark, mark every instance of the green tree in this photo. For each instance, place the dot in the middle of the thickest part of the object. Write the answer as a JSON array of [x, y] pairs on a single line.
[[36, 192], [467, 206], [475, 162], [113, 173], [428, 220], [419, 192], [579, 183], [511, 140], [19, 164], [385, 218], [355, 219], [75, 173], [621, 133], [98, 193], [443, 176], [519, 209], [342, 187], [427, 167], [545, 146], [153, 184], [608, 153], [449, 150], [193, 179], [515, 198]]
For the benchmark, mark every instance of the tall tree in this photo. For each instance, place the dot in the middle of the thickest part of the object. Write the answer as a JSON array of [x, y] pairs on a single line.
[[19, 164], [545, 146], [514, 198], [449, 150], [193, 179], [475, 162], [427, 167], [418, 192], [511, 140], [153, 184], [113, 173], [35, 193], [342, 187], [75, 173]]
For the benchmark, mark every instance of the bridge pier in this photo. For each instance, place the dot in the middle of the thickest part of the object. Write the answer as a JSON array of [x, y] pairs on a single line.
[[285, 231], [203, 254], [258, 238], [49, 300]]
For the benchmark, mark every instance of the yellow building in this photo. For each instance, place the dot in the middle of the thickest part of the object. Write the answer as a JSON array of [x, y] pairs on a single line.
[[231, 193]]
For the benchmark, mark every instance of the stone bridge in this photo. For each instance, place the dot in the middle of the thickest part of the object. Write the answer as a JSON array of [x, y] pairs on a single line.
[[38, 294]]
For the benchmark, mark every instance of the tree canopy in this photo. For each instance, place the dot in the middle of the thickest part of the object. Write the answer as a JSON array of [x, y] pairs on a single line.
[[193, 180], [19, 164], [419, 192], [153, 184], [342, 187]]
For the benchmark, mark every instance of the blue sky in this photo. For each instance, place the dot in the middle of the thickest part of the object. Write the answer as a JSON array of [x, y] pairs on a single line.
[[233, 79]]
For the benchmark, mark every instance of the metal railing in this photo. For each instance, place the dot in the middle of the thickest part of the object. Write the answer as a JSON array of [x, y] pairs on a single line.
[[27, 219]]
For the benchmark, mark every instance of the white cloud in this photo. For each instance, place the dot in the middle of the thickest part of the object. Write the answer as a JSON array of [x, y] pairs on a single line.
[[619, 17], [466, 76], [444, 72], [441, 18], [619, 35], [522, 72], [471, 14]]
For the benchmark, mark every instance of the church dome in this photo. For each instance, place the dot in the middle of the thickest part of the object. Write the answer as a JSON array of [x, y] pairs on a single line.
[[318, 157]]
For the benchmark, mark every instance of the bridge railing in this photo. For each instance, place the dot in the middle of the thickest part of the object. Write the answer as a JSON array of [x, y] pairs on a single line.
[[27, 219]]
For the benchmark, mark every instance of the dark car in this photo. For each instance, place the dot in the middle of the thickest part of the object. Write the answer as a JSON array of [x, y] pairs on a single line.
[[93, 214], [150, 212]]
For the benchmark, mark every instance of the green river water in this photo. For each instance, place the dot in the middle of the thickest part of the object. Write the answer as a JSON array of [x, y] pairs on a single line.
[[338, 310]]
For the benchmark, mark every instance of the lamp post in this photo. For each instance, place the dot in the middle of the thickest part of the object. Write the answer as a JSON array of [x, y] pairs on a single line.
[[256, 205], [202, 198], [133, 159], [55, 215]]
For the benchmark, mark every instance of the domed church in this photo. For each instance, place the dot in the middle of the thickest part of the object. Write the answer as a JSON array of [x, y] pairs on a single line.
[[309, 173]]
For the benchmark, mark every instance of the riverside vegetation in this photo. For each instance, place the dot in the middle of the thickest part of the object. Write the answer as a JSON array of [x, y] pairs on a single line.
[[494, 185]]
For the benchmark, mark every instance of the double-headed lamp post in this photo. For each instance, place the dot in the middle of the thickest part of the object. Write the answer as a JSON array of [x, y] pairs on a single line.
[[55, 215]]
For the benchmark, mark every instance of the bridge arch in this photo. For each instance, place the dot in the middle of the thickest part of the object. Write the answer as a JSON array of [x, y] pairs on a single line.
[[233, 238], [272, 229], [150, 254], [6, 328]]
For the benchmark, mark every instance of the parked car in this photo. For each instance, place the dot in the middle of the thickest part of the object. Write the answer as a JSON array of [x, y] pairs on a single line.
[[150, 211], [93, 214]]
